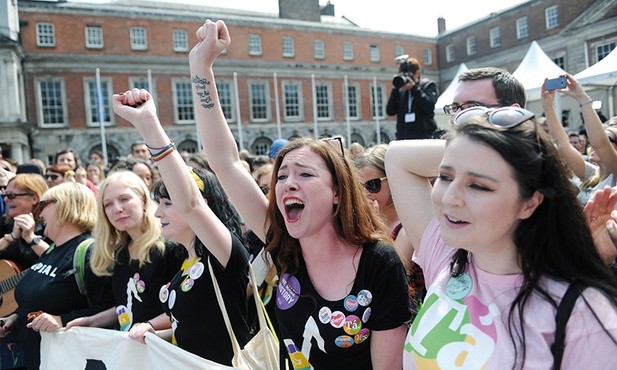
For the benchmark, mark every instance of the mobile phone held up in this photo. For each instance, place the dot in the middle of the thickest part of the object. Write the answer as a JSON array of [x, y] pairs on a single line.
[[556, 83]]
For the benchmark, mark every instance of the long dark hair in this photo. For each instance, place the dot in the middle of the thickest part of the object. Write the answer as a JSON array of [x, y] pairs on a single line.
[[217, 200], [555, 241], [355, 219]]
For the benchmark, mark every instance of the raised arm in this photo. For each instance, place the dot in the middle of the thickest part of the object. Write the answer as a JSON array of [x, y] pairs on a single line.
[[570, 154], [137, 106], [409, 166], [595, 131], [217, 139]]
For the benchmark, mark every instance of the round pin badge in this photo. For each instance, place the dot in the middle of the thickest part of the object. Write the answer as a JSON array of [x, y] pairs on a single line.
[[365, 297], [164, 293], [196, 270], [187, 284], [172, 299], [338, 319], [361, 336], [344, 341], [458, 287], [140, 285], [366, 315], [325, 315], [351, 303], [288, 292], [353, 325]]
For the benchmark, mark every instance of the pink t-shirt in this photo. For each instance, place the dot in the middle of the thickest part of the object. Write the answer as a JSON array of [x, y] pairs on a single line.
[[463, 323]]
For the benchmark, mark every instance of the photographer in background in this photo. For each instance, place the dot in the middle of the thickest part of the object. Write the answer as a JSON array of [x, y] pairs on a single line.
[[413, 101]]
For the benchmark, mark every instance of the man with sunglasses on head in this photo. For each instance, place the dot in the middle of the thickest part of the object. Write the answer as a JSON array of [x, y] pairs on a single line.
[[486, 87], [412, 100]]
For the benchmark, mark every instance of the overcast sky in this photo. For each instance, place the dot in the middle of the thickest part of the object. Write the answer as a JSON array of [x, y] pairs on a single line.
[[405, 16]]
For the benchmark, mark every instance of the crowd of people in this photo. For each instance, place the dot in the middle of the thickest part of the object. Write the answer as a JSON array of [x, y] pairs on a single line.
[[455, 252]]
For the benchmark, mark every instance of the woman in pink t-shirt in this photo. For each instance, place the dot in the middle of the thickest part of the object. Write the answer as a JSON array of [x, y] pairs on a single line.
[[500, 237]]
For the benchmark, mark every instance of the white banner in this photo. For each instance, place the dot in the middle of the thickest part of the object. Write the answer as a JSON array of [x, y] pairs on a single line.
[[93, 348]]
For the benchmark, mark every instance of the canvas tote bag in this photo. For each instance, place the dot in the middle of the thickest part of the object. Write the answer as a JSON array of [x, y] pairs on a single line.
[[262, 351]]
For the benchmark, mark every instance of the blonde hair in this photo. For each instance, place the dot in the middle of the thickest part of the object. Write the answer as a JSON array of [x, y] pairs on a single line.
[[75, 205], [109, 240]]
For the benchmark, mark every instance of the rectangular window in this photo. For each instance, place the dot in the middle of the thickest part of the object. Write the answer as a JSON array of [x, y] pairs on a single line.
[[560, 61], [180, 40], [255, 45], [183, 102], [139, 38], [322, 101], [375, 55], [292, 101], [522, 28], [51, 102], [94, 37], [377, 107], [258, 95], [604, 50], [288, 47], [551, 15], [427, 57], [45, 35], [353, 99], [495, 37], [92, 102], [319, 49], [471, 45], [142, 83], [399, 50], [347, 50], [450, 56], [225, 98]]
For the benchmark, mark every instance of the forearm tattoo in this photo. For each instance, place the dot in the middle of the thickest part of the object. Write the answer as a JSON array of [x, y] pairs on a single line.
[[201, 89]]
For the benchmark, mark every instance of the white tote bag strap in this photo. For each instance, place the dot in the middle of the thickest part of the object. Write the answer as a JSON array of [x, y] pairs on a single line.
[[219, 298], [260, 307]]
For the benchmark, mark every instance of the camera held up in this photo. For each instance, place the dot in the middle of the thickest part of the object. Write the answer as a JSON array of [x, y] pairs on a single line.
[[405, 74]]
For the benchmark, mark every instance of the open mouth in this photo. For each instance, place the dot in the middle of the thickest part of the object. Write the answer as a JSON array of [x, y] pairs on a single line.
[[293, 209], [455, 220]]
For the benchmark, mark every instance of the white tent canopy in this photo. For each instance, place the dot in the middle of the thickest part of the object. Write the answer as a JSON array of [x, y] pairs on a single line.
[[601, 74], [534, 68], [446, 96]]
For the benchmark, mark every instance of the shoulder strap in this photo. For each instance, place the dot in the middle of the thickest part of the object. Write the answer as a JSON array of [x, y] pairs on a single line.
[[563, 314], [79, 261]]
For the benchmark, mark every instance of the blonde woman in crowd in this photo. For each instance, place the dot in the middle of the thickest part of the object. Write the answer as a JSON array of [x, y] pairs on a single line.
[[129, 247]]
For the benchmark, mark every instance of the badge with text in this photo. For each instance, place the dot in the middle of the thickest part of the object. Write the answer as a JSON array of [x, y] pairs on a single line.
[[459, 287]]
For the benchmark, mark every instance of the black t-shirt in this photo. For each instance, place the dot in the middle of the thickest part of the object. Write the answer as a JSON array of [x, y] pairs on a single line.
[[190, 301], [50, 286], [136, 289], [337, 335]]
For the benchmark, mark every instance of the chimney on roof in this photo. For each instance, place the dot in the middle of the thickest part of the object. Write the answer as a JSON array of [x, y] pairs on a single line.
[[441, 25], [303, 10], [328, 9]]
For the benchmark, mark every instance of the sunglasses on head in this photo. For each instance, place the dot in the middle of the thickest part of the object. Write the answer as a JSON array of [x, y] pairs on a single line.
[[337, 141], [52, 176], [374, 185], [12, 196], [504, 117], [454, 108]]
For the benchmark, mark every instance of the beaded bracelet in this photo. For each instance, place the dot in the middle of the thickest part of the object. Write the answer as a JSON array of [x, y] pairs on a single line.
[[158, 156], [585, 103], [161, 150]]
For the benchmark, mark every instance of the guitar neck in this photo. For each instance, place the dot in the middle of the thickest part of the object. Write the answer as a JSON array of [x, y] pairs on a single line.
[[10, 283]]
